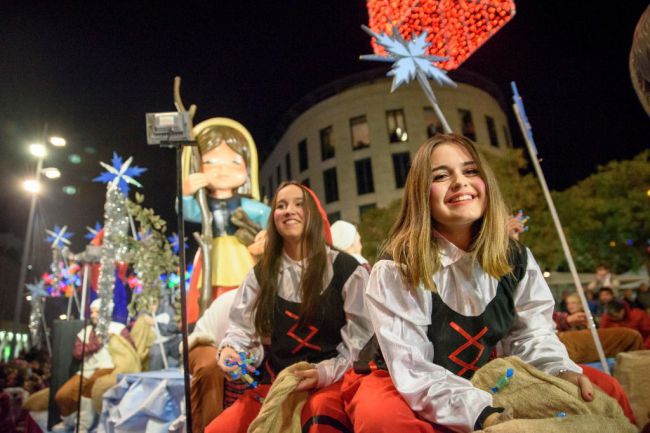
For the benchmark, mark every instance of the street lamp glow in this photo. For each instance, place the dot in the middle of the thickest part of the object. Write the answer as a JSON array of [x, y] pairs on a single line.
[[52, 173], [38, 150], [32, 185], [57, 141]]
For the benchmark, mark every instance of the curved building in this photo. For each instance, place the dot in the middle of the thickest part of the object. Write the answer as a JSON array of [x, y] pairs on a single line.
[[352, 140]]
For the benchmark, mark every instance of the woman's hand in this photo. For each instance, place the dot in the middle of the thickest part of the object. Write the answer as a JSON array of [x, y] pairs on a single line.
[[227, 353], [581, 381], [194, 182], [308, 379], [515, 227], [577, 319], [498, 418]]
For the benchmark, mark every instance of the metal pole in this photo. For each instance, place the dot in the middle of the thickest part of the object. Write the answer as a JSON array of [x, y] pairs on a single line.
[[26, 252], [560, 231], [181, 235], [84, 287]]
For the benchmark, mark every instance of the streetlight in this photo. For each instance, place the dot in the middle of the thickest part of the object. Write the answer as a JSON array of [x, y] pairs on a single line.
[[33, 186]]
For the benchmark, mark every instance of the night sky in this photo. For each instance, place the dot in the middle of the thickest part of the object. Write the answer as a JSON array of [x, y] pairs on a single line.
[[91, 72]]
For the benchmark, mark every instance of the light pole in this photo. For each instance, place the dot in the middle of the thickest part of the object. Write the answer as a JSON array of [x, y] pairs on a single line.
[[33, 186]]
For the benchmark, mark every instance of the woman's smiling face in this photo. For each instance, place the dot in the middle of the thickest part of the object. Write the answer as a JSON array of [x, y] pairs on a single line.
[[458, 195]]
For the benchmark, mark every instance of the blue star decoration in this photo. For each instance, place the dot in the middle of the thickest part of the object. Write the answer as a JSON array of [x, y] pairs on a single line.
[[58, 237], [143, 235], [36, 291], [409, 58], [120, 173], [92, 231], [175, 242]]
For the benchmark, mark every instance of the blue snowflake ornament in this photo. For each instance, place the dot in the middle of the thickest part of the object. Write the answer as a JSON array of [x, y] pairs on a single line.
[[93, 231], [36, 291], [120, 173], [174, 241], [409, 58], [58, 237]]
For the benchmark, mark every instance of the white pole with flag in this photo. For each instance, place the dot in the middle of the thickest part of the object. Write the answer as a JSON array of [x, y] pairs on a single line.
[[520, 112]]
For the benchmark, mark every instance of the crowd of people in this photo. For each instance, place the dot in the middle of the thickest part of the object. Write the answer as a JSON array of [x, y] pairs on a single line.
[[24, 375]]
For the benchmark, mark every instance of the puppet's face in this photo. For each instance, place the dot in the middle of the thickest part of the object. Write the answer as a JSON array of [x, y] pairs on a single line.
[[225, 168], [94, 315]]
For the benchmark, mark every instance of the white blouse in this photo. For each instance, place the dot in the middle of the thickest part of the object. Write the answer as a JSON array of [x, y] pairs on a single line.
[[356, 332], [400, 318]]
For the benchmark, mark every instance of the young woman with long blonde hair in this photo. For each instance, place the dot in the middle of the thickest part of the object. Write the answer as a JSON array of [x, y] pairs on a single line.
[[454, 288]]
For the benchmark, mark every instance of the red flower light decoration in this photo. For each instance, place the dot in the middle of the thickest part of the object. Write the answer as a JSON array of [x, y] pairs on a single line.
[[456, 28]]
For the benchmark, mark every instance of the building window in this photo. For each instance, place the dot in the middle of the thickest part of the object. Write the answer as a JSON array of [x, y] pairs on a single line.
[[287, 165], [363, 169], [278, 175], [396, 125], [432, 122], [359, 132], [270, 186], [331, 185], [305, 182], [333, 217], [365, 208], [326, 143], [401, 162], [303, 162], [262, 192], [492, 131], [507, 136], [467, 124]]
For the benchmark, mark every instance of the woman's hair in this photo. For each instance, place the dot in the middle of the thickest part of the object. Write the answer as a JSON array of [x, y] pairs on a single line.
[[211, 137], [313, 252], [410, 242]]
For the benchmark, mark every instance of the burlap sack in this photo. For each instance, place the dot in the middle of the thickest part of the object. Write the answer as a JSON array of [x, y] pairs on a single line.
[[633, 372], [143, 337], [280, 412], [126, 360], [535, 397], [37, 401]]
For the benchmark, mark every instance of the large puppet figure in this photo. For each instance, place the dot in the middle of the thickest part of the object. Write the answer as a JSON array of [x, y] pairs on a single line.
[[228, 172]]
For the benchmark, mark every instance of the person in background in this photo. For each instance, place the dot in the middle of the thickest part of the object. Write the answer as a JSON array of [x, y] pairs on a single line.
[[97, 362], [168, 335], [346, 238], [630, 298], [643, 296], [605, 296], [575, 318], [619, 314], [604, 278]]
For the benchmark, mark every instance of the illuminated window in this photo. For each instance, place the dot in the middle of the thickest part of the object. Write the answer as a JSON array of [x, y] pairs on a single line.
[[287, 165], [331, 185], [432, 122], [359, 132], [401, 162], [303, 161], [492, 131], [467, 124], [396, 125], [326, 143], [363, 170], [333, 217]]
